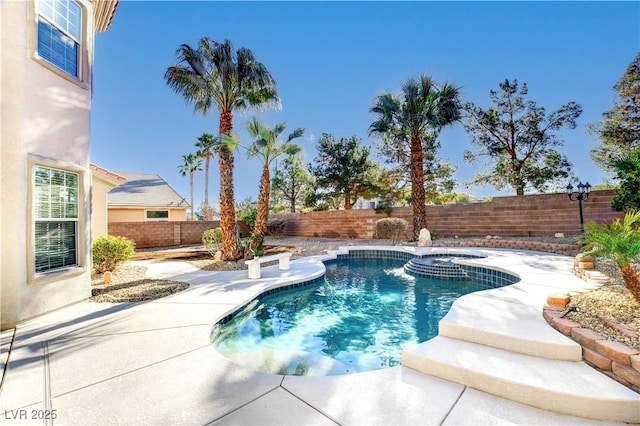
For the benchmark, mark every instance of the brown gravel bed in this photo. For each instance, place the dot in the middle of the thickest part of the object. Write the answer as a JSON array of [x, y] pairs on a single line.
[[129, 284]]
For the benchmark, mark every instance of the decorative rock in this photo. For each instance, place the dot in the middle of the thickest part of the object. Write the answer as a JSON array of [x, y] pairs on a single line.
[[558, 300], [550, 313], [626, 373], [106, 277], [424, 239], [596, 359], [635, 362], [583, 257], [586, 337], [559, 235], [616, 351], [586, 265], [564, 325]]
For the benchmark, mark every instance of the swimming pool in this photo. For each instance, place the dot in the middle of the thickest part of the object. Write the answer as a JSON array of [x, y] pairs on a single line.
[[358, 317]]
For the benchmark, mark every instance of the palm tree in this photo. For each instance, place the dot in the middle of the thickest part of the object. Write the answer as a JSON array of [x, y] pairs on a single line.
[[206, 149], [267, 148], [421, 111], [213, 75], [620, 241], [190, 164]]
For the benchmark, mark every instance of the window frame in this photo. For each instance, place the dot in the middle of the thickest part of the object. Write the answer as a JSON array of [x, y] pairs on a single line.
[[156, 219], [80, 266], [83, 74], [56, 206]]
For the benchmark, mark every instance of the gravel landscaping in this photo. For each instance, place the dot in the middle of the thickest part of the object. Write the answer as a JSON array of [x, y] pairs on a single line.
[[128, 284]]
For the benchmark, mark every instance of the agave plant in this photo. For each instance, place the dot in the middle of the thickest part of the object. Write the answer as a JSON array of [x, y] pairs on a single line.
[[620, 241]]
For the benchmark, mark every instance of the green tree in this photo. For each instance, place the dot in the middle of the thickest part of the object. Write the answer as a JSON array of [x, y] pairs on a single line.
[[517, 139], [206, 149], [267, 147], [290, 180], [414, 119], [214, 75], [343, 168], [620, 241], [191, 164], [395, 189], [619, 130], [439, 179], [627, 169], [317, 198]]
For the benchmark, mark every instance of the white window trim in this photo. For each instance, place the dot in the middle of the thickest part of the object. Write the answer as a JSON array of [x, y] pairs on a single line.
[[34, 277], [84, 74]]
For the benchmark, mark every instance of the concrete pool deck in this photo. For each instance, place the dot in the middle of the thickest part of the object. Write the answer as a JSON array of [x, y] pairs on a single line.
[[152, 363]]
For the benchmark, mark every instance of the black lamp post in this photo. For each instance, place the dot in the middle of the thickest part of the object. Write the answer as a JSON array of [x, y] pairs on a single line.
[[582, 194]]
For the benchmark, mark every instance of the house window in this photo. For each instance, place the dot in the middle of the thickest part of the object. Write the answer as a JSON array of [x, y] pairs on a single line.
[[56, 219], [157, 214], [59, 29]]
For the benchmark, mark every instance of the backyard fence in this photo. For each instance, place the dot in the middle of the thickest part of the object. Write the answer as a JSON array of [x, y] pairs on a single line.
[[530, 215]]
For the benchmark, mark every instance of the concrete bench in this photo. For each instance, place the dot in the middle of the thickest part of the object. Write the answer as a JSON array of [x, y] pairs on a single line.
[[254, 264]]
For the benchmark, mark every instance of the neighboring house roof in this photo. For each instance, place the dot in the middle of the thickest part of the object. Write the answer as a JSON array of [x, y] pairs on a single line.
[[111, 178], [145, 190]]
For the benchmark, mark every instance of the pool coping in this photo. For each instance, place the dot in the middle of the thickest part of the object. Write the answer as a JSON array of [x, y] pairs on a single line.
[[175, 376]]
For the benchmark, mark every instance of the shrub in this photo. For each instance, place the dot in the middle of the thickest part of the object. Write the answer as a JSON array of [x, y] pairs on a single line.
[[391, 227], [248, 216], [110, 251], [275, 227], [212, 240], [248, 243]]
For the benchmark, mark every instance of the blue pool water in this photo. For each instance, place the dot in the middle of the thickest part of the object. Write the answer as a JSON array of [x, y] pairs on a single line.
[[359, 318]]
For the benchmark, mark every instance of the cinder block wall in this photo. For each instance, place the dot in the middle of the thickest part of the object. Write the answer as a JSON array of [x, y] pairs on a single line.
[[530, 215], [162, 234]]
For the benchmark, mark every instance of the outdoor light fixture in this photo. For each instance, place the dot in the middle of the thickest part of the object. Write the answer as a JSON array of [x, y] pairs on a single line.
[[582, 193]]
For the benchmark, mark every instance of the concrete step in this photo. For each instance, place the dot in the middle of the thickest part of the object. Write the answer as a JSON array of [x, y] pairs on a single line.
[[435, 267], [506, 325], [568, 387]]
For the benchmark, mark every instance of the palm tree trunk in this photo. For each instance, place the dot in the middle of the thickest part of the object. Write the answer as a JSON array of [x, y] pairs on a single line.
[[417, 187], [631, 280], [193, 216], [228, 224], [262, 215], [206, 208]]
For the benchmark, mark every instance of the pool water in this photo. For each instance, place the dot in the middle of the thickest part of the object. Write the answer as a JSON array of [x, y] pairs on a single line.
[[359, 318]]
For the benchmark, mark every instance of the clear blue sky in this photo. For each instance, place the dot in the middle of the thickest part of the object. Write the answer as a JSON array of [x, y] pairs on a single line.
[[331, 59]]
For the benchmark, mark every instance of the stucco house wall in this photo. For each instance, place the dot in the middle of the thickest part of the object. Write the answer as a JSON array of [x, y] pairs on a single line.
[[45, 122], [102, 182], [140, 214]]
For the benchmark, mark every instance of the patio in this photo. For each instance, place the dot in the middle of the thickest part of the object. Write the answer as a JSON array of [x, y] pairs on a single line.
[[151, 363]]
